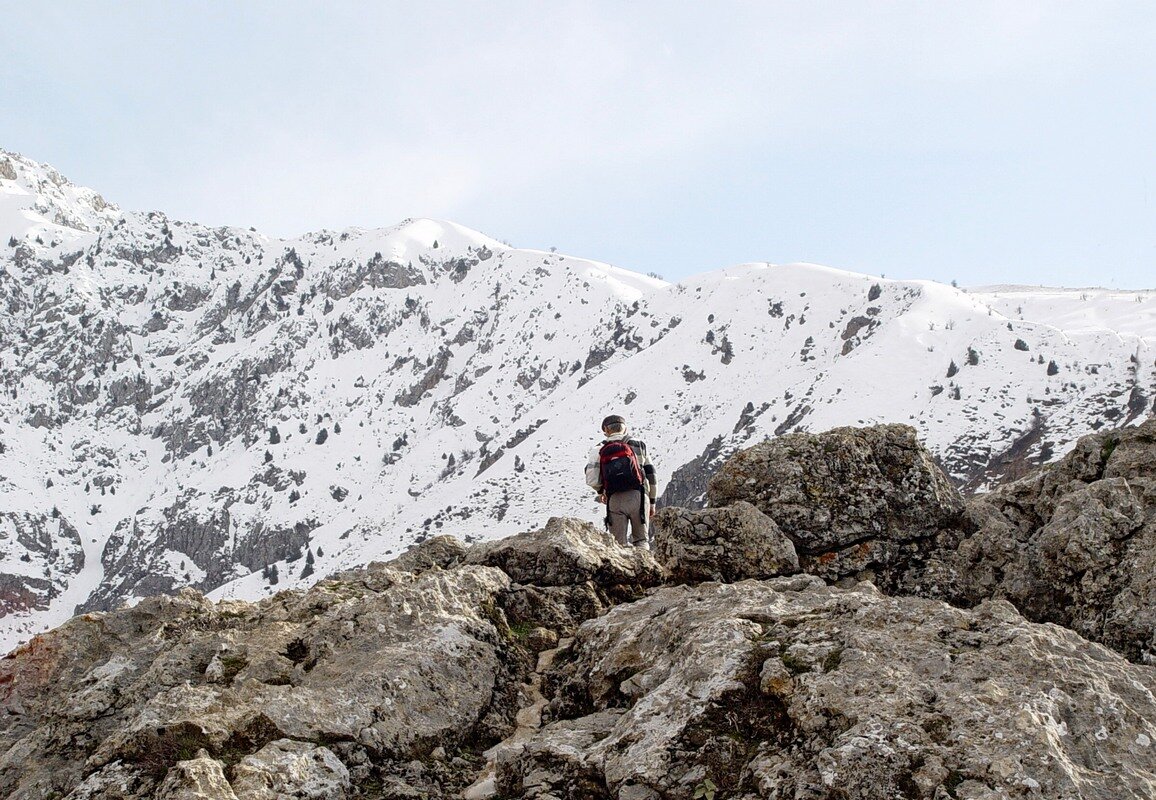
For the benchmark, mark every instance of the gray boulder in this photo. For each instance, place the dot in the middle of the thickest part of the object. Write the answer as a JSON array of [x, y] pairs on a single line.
[[1073, 543], [443, 552], [381, 671], [289, 769], [855, 501], [790, 688], [200, 778], [722, 544], [568, 552], [565, 573]]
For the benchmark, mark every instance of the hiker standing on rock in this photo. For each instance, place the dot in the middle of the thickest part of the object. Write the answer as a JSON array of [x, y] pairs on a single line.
[[619, 470]]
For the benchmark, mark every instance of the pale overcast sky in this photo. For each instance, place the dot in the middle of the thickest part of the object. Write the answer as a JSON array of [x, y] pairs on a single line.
[[979, 141]]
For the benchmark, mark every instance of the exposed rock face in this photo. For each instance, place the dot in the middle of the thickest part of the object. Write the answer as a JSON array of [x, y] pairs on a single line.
[[286, 768], [138, 563], [852, 500], [52, 548], [566, 573], [440, 551], [567, 552], [1073, 543], [381, 671], [200, 778], [790, 688], [722, 544], [401, 683]]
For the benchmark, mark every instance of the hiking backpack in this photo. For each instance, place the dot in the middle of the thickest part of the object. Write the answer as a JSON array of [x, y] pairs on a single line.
[[619, 467]]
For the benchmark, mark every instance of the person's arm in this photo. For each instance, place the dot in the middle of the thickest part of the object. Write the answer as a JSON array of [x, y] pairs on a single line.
[[594, 472], [649, 474]]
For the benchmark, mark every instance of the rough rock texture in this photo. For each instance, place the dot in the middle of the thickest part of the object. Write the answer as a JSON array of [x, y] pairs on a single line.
[[565, 573], [443, 552], [298, 696], [722, 544], [567, 552], [853, 500], [286, 768], [389, 679], [833, 489], [792, 689], [415, 678], [1073, 543], [200, 778]]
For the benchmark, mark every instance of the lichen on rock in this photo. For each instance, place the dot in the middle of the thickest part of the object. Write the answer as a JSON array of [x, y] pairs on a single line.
[[790, 688]]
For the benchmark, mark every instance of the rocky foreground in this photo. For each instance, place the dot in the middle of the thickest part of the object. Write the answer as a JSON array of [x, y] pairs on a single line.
[[839, 624]]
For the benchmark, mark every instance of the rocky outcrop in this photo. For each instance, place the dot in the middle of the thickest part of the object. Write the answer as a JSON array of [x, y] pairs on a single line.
[[722, 544], [43, 552], [790, 688], [566, 573], [567, 552], [24, 592], [443, 552], [1073, 543], [855, 501], [344, 685], [183, 546], [378, 272], [417, 679]]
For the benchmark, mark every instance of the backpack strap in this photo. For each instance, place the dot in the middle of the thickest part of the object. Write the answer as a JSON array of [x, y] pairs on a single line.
[[647, 469]]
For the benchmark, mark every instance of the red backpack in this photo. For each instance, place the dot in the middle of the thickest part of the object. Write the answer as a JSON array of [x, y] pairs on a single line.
[[618, 465]]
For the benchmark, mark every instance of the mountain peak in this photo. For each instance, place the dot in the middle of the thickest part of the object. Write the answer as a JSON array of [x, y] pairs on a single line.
[[305, 405], [39, 204]]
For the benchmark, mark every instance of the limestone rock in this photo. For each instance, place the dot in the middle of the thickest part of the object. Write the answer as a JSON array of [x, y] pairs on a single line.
[[559, 608], [832, 492], [386, 669], [1073, 543], [289, 769], [722, 544], [200, 778], [443, 552], [789, 688], [568, 552]]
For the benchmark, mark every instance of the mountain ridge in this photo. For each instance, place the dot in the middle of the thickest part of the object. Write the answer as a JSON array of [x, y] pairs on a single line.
[[840, 622], [210, 407]]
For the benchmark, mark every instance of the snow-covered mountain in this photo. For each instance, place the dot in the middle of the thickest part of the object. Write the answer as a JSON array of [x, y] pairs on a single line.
[[210, 407]]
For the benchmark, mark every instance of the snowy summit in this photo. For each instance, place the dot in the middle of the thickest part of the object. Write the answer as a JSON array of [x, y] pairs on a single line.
[[210, 407]]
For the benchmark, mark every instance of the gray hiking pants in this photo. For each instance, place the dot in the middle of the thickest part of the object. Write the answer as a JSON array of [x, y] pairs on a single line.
[[626, 509]]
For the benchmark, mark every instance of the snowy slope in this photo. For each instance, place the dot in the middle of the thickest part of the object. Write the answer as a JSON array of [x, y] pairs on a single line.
[[209, 407], [1071, 310]]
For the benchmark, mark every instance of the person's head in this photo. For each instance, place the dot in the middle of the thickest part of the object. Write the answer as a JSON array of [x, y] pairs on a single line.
[[613, 424]]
